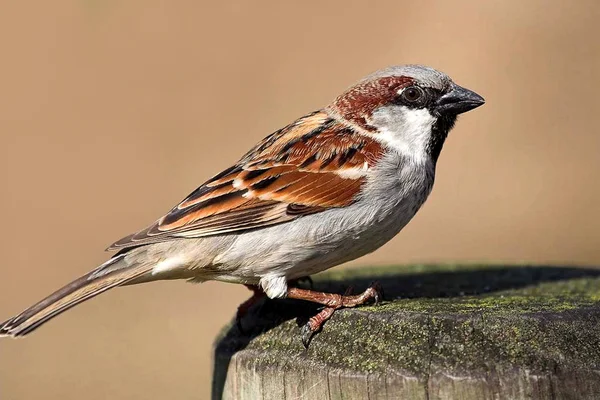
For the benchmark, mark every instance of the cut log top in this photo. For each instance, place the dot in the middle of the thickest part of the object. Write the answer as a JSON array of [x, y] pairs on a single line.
[[445, 332]]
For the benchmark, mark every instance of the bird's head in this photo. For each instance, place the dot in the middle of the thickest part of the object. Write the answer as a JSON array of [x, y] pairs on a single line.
[[410, 108]]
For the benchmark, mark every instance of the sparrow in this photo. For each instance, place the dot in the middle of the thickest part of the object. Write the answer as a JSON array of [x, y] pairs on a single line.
[[330, 187]]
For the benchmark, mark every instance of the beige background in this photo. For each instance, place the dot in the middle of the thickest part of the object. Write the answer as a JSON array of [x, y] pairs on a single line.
[[112, 111]]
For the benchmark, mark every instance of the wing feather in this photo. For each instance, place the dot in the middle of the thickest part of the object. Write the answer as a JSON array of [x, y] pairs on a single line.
[[311, 165]]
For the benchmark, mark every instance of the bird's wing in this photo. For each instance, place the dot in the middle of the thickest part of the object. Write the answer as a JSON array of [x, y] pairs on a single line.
[[309, 166]]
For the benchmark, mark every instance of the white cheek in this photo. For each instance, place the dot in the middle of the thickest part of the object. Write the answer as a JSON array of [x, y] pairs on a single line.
[[405, 130]]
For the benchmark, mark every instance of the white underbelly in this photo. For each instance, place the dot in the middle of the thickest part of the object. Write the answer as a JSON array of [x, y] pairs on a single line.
[[316, 242], [311, 243]]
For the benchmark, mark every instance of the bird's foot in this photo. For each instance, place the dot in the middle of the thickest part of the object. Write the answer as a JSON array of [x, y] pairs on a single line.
[[331, 302]]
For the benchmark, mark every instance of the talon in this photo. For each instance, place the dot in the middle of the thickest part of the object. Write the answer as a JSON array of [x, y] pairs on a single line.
[[332, 302], [315, 324], [378, 294], [306, 334], [376, 298]]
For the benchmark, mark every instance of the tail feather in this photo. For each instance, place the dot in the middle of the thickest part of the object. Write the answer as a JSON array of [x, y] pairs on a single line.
[[113, 273]]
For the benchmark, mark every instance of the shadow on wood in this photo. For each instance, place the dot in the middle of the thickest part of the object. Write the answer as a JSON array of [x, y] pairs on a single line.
[[445, 332]]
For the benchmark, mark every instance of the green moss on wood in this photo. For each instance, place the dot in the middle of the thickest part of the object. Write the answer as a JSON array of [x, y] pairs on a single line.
[[455, 320]]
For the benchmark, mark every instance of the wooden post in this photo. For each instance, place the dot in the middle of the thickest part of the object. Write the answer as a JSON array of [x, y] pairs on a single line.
[[446, 332]]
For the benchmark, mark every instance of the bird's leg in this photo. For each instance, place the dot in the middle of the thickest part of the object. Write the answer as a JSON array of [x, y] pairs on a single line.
[[332, 302], [257, 295]]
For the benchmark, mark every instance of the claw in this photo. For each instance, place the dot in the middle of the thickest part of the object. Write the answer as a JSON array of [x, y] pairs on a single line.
[[306, 334], [315, 324], [378, 294], [331, 302]]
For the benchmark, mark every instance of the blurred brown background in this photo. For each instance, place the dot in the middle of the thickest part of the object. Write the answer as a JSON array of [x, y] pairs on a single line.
[[112, 111]]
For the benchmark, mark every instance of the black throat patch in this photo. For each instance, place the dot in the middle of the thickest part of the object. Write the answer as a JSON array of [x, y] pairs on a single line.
[[439, 132]]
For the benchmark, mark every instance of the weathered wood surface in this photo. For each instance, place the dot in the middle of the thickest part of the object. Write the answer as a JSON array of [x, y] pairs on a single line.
[[449, 332]]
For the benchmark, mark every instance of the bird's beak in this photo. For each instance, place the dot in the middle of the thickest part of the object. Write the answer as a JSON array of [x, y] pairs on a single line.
[[458, 100]]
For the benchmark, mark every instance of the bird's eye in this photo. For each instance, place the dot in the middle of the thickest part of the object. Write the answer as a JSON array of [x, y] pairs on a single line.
[[413, 94]]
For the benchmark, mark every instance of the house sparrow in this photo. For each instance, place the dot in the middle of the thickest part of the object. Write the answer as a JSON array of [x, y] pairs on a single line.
[[332, 186]]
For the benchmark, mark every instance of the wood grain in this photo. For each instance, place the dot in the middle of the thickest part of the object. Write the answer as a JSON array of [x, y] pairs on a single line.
[[460, 332]]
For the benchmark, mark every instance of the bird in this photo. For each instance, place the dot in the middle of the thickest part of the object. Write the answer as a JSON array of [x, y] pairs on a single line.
[[330, 187]]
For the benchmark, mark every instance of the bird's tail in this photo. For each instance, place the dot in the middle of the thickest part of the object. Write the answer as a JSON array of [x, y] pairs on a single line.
[[114, 272]]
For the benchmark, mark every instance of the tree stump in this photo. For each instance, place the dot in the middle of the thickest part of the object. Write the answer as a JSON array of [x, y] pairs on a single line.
[[445, 332]]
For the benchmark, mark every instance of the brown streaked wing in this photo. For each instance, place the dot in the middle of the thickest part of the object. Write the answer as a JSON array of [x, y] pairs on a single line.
[[307, 167]]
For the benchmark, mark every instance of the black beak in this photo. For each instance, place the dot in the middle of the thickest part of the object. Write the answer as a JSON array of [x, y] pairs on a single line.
[[458, 100]]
